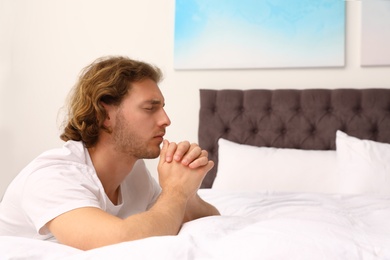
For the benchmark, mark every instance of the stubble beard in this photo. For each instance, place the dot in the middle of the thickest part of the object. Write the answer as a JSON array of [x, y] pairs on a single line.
[[129, 142]]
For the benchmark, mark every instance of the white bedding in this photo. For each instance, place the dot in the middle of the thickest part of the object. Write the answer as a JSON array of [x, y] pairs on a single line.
[[253, 225]]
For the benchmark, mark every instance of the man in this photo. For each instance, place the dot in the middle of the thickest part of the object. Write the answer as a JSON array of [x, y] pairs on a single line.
[[96, 190]]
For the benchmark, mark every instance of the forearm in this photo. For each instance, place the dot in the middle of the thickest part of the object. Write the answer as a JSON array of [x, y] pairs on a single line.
[[90, 227], [198, 208], [164, 218]]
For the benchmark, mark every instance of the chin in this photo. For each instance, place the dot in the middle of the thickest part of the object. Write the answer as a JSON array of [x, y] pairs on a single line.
[[152, 153]]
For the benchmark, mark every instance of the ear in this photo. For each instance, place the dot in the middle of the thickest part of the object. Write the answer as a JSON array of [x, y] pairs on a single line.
[[111, 110]]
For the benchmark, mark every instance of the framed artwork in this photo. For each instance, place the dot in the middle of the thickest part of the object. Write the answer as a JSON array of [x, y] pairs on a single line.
[[226, 34], [375, 36]]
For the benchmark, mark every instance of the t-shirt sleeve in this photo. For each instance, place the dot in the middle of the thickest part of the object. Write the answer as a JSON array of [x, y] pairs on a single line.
[[55, 189]]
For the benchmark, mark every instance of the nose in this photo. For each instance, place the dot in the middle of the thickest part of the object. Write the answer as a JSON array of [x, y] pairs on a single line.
[[165, 121]]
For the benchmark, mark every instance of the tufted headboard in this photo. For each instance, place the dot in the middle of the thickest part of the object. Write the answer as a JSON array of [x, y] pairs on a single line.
[[290, 118]]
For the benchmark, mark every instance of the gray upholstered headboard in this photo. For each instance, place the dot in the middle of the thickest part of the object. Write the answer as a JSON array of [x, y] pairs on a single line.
[[290, 118]]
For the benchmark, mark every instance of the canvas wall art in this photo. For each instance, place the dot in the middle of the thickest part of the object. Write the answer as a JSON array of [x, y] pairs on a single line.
[[227, 34], [375, 36]]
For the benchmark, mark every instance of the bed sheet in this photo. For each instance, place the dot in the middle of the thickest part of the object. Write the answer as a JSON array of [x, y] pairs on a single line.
[[256, 225]]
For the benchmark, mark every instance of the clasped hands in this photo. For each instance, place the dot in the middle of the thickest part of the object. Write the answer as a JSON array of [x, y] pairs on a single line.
[[182, 167]]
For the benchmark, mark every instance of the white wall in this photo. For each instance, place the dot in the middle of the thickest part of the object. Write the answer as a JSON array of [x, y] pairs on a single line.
[[45, 43]]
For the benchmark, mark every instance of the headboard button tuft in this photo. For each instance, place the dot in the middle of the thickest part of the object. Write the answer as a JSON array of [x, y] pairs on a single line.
[[358, 110]]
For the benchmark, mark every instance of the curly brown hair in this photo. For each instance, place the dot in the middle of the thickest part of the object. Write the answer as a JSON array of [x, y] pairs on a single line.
[[108, 80]]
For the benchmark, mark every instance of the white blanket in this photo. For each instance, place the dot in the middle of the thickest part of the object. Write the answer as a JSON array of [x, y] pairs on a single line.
[[253, 225]]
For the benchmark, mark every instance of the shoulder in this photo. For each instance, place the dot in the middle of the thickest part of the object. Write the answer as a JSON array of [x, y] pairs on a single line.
[[71, 153], [57, 165]]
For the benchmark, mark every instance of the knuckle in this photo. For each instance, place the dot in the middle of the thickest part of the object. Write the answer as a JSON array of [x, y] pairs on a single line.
[[172, 145], [186, 143], [197, 149]]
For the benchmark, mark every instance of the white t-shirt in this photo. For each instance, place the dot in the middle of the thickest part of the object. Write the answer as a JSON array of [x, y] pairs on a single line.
[[64, 179]]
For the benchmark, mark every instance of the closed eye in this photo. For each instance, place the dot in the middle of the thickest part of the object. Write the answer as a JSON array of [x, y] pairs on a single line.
[[151, 109], [152, 105]]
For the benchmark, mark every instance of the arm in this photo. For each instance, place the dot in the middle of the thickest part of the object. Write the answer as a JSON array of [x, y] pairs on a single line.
[[198, 208], [88, 228]]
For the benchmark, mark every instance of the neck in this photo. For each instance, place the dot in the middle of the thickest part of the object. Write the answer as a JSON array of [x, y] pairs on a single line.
[[111, 168]]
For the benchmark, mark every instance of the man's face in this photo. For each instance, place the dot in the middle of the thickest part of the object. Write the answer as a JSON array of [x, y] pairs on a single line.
[[140, 121]]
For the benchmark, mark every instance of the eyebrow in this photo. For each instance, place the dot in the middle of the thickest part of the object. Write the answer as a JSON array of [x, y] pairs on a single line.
[[154, 102]]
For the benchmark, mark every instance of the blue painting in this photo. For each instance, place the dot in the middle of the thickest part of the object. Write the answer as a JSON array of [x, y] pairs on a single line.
[[234, 34]]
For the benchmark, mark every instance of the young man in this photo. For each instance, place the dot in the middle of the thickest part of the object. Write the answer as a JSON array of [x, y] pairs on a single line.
[[96, 190]]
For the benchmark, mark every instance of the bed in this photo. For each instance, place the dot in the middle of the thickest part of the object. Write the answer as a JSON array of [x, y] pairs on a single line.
[[299, 174]]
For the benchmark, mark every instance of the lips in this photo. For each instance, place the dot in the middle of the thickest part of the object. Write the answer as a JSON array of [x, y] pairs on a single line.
[[160, 135]]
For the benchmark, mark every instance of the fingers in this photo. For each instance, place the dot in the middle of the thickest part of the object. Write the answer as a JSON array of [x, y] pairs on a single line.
[[163, 152], [183, 148], [170, 151], [201, 160], [190, 155], [177, 151]]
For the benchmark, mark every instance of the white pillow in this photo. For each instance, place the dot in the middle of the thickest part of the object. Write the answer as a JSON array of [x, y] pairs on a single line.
[[245, 167], [364, 165]]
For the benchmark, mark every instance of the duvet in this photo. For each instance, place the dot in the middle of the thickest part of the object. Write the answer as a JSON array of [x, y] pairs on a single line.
[[253, 225]]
